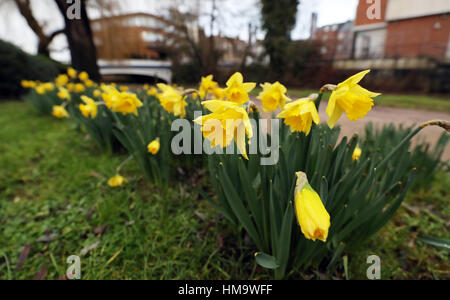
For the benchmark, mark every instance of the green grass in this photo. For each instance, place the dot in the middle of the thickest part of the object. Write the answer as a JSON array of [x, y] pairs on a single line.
[[53, 184], [424, 102], [415, 102]]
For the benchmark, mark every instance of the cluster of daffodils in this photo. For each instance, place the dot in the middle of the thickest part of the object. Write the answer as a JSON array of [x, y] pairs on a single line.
[[64, 86], [229, 107], [231, 103], [230, 111], [78, 90], [253, 196], [228, 120]]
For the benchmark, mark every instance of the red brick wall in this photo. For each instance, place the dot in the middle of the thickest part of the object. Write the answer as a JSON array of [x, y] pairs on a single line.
[[328, 39], [418, 37], [361, 13]]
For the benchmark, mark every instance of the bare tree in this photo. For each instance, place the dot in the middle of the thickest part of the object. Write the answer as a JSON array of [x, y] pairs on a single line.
[[45, 40]]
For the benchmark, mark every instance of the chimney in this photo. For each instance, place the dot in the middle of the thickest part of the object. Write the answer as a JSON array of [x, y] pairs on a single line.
[[313, 25]]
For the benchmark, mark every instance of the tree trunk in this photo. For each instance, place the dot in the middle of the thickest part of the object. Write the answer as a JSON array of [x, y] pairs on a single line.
[[80, 39], [43, 48]]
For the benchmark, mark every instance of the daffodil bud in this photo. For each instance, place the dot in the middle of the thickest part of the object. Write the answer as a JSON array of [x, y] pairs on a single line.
[[311, 214], [153, 147], [83, 76], [72, 73], [357, 153]]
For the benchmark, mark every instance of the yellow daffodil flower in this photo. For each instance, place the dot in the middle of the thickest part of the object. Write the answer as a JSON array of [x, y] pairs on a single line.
[[218, 93], [154, 147], [60, 112], [89, 83], [124, 88], [63, 94], [108, 88], [299, 115], [225, 123], [152, 91], [237, 91], [145, 87], [273, 96], [72, 73], [27, 84], [311, 214], [110, 97], [97, 93], [89, 108], [125, 103], [117, 181], [62, 80], [48, 86], [207, 85], [351, 98], [71, 86], [40, 89], [79, 88], [172, 101], [357, 153], [83, 76]]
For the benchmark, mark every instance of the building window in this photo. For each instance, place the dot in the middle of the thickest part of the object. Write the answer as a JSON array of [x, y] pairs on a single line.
[[323, 50]]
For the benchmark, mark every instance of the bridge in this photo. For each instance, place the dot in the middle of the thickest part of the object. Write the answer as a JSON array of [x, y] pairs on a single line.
[[159, 69]]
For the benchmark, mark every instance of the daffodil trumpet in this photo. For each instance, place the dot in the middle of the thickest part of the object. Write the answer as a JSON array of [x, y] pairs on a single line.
[[228, 121], [300, 115]]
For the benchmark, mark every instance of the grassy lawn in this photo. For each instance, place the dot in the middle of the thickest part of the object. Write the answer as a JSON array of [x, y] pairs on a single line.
[[54, 203], [433, 103]]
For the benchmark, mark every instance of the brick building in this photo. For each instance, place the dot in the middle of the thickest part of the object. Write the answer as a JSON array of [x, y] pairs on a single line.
[[335, 40], [136, 35], [402, 29]]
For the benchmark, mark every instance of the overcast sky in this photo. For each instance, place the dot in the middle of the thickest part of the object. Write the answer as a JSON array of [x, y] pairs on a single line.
[[233, 18]]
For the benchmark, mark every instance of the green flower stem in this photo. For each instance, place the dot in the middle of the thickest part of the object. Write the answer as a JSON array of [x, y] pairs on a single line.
[[402, 143], [124, 163], [443, 124]]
